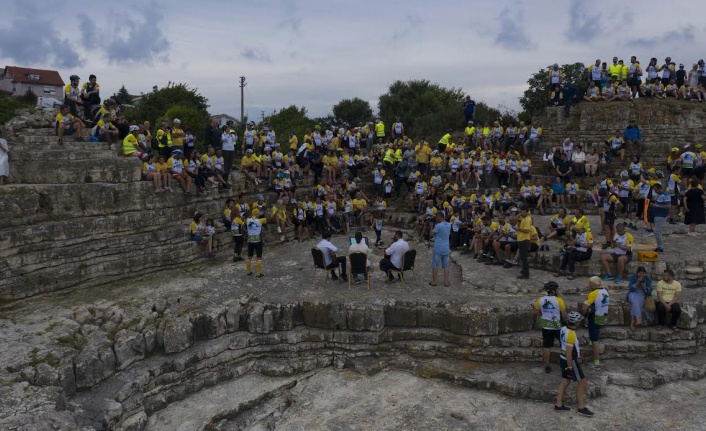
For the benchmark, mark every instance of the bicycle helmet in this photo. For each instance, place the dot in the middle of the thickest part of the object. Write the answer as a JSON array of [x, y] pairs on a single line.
[[551, 286], [624, 174], [574, 317], [74, 78], [659, 174]]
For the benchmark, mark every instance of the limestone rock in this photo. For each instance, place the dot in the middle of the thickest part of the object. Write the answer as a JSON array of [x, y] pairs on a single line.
[[129, 347], [688, 318], [178, 334]]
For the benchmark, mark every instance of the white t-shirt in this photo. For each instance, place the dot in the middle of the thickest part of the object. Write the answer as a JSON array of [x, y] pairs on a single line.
[[327, 248], [396, 252]]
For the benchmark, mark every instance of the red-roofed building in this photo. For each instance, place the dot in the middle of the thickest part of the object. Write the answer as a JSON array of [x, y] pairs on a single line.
[[17, 80]]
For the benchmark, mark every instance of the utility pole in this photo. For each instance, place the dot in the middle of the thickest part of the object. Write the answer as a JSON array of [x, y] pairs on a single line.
[[263, 115], [242, 101]]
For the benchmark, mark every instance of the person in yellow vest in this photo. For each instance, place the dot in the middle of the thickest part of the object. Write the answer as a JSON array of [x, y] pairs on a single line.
[[389, 158], [445, 141], [131, 147], [615, 69], [398, 155], [164, 140], [551, 311], [380, 130]]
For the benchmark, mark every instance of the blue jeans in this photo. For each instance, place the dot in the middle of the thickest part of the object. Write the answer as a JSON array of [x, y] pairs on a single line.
[[659, 225]]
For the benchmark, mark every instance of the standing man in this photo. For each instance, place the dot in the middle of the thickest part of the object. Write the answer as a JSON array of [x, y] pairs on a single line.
[[228, 140], [441, 232], [330, 259], [633, 138], [660, 204], [570, 366], [552, 312], [397, 129], [668, 296], [524, 232], [469, 108], [213, 134], [596, 305], [254, 231], [394, 255], [380, 130]]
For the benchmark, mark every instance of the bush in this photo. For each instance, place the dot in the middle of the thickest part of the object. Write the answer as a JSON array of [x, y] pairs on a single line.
[[8, 106], [190, 117]]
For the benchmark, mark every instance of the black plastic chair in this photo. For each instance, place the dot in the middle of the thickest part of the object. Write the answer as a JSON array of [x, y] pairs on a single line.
[[319, 263], [359, 265], [407, 265]]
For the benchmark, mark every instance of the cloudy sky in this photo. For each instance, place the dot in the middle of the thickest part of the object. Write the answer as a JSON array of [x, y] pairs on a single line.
[[314, 53]]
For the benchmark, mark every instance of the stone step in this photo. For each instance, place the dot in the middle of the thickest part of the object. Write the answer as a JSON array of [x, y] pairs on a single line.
[[117, 170]]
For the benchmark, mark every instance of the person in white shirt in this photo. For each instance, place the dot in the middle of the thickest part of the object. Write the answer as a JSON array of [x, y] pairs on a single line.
[[359, 247], [330, 259], [394, 255]]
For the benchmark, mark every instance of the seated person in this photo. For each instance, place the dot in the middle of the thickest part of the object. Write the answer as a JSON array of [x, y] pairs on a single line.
[[130, 146], [621, 254], [359, 247], [558, 224], [394, 255], [639, 287], [668, 296], [580, 249], [66, 125], [330, 259]]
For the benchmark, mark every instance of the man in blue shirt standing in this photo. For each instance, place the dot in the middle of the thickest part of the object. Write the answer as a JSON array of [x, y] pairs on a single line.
[[469, 108], [633, 138], [440, 257]]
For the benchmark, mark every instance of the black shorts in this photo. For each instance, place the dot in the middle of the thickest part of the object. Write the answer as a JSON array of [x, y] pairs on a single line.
[[255, 248], [609, 219], [634, 82], [639, 208], [513, 245], [615, 257], [675, 201], [561, 231], [598, 83], [578, 372], [687, 172], [548, 337], [533, 247], [626, 203]]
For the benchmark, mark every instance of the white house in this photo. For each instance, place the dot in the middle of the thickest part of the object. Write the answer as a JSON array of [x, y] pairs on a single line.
[[223, 119], [44, 83]]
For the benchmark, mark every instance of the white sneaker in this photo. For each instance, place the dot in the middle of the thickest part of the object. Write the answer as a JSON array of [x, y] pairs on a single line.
[[649, 234]]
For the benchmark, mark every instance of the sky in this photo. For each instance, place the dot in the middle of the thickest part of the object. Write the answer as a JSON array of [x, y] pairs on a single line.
[[313, 53]]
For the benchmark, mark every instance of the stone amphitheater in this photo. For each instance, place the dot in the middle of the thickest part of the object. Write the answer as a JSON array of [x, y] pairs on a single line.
[[110, 320]]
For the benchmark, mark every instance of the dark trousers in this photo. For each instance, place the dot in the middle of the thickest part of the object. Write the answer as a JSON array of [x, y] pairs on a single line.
[[662, 314], [340, 260], [228, 161], [238, 240], [570, 259], [386, 265], [524, 256]]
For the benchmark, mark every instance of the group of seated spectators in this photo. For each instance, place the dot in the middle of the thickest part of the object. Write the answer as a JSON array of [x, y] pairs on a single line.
[[626, 82]]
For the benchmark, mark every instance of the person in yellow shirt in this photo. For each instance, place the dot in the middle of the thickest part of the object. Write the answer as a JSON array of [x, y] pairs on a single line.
[[175, 167], [380, 131], [67, 124], [250, 167], [551, 311], [524, 235], [149, 173], [359, 205], [445, 141], [422, 153], [668, 296], [72, 94], [163, 172], [570, 364], [199, 234]]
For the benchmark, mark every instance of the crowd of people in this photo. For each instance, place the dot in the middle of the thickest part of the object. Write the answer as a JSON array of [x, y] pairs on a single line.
[[620, 81]]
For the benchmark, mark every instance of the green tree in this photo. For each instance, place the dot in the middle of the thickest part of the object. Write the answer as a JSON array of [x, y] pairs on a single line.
[[28, 98], [353, 111], [291, 118], [122, 97], [536, 97], [8, 106], [155, 105], [189, 117], [426, 109]]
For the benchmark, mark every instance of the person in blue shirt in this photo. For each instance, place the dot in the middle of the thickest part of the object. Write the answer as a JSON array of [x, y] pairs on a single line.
[[633, 138], [639, 288], [441, 232], [469, 107], [660, 204]]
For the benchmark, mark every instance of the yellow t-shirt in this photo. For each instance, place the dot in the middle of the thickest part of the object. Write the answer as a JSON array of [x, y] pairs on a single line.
[[525, 224], [177, 137], [162, 168], [669, 290], [294, 143], [358, 204], [246, 161]]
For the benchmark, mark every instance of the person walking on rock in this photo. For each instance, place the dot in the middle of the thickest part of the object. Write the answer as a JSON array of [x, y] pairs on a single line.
[[254, 231], [552, 312], [570, 366], [441, 232], [596, 305], [4, 161], [524, 234]]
